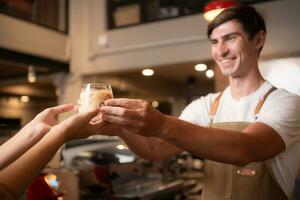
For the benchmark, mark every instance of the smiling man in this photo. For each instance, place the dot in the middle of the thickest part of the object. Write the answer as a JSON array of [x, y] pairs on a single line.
[[249, 133]]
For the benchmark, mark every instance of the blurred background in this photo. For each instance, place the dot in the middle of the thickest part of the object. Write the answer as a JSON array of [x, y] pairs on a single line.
[[49, 48]]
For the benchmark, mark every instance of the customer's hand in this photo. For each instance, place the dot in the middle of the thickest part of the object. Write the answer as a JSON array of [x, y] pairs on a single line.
[[81, 125], [105, 128], [30, 134], [46, 119], [134, 115]]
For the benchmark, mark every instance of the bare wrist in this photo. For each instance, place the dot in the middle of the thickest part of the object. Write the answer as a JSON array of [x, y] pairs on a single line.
[[61, 132], [165, 127]]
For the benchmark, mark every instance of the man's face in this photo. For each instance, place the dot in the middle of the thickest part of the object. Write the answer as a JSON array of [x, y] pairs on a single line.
[[232, 49]]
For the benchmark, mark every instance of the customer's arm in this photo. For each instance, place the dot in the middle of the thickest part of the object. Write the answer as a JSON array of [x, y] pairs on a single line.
[[18, 175], [30, 134]]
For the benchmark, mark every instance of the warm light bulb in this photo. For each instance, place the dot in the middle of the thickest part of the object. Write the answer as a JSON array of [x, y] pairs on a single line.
[[148, 72], [215, 7], [210, 15], [200, 67], [31, 76], [210, 73], [121, 147], [24, 99], [155, 104]]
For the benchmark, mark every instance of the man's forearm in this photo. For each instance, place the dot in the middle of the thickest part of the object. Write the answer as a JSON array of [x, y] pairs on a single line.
[[215, 144], [149, 148], [255, 143]]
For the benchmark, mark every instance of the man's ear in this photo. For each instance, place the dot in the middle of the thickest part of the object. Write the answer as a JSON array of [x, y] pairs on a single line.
[[260, 39]]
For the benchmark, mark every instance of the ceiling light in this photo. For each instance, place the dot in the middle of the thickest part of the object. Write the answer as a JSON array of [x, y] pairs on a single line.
[[155, 104], [210, 73], [147, 72], [200, 67], [31, 76], [24, 99], [121, 146], [215, 7]]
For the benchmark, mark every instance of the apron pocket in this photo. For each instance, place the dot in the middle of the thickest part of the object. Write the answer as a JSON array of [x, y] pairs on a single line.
[[217, 179]]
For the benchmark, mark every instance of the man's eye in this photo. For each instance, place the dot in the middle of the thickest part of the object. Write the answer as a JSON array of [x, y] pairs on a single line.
[[231, 38], [213, 42]]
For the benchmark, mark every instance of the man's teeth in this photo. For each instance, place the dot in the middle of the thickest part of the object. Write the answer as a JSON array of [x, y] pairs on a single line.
[[224, 61]]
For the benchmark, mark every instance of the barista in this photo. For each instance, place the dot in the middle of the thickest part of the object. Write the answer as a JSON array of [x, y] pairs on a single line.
[[249, 133]]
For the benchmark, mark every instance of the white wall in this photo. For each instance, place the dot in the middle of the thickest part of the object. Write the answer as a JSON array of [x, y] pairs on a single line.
[[165, 42], [282, 73], [283, 27], [20, 35]]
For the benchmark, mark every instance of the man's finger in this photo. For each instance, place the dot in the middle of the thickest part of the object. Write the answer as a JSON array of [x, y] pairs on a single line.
[[95, 120], [118, 111], [97, 125], [123, 102], [123, 121]]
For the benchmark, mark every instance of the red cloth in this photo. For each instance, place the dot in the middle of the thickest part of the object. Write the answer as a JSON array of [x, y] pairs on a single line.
[[102, 174], [40, 190]]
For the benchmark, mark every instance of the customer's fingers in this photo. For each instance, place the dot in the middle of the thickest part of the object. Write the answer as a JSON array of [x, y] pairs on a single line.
[[61, 108]]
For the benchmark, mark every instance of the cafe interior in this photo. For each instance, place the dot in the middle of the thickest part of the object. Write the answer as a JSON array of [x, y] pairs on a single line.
[[156, 50]]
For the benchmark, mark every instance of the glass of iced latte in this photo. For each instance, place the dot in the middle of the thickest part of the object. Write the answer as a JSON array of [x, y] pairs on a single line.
[[93, 95]]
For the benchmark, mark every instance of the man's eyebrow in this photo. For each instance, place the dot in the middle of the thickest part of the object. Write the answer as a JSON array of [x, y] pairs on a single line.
[[225, 36], [230, 34]]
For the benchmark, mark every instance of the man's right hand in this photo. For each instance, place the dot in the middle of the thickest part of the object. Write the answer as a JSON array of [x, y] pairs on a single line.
[[134, 115]]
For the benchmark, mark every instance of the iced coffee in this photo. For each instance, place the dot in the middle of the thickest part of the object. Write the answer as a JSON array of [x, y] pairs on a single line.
[[93, 95]]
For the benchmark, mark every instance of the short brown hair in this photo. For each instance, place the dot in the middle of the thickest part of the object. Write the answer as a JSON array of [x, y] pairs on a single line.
[[252, 22]]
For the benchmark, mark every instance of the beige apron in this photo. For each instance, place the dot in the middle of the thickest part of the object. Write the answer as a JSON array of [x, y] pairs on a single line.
[[252, 182]]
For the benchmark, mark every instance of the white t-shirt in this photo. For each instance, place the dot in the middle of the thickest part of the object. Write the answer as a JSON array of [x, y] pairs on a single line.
[[281, 111]]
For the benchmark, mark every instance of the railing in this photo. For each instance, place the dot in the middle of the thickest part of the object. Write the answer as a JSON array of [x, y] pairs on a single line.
[[52, 14]]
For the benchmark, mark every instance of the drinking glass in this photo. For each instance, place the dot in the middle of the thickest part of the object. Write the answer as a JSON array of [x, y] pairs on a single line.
[[93, 95]]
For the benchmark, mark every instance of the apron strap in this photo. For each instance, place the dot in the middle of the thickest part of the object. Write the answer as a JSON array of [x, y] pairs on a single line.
[[262, 100], [215, 105]]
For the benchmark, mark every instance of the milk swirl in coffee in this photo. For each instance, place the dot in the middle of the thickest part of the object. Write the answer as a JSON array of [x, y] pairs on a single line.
[[93, 96]]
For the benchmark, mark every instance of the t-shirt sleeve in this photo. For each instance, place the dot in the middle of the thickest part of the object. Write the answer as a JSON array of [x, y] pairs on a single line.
[[197, 112], [281, 111]]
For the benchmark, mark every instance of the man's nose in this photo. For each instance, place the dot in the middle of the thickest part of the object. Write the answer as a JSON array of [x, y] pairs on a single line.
[[222, 49]]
